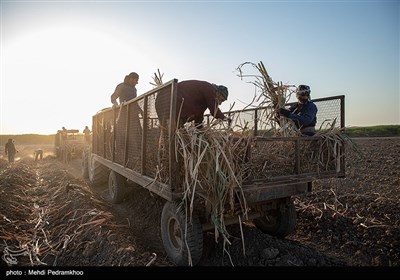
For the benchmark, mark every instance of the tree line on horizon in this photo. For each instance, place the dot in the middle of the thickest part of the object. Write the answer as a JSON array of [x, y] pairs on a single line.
[[28, 139], [366, 131]]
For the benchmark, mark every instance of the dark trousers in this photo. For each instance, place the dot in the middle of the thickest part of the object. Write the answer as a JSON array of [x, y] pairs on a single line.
[[11, 157], [38, 155]]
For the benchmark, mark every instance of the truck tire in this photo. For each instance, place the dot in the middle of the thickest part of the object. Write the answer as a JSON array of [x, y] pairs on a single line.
[[280, 222], [98, 173], [85, 164], [116, 187], [182, 251]]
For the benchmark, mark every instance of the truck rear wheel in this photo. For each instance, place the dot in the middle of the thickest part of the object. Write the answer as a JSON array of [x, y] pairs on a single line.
[[116, 187], [280, 222], [98, 173], [183, 240]]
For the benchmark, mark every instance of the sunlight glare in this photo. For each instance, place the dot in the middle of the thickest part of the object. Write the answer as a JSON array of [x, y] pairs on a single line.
[[68, 75]]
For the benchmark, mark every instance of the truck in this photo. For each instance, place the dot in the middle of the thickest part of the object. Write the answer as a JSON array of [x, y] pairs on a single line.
[[126, 146], [68, 144]]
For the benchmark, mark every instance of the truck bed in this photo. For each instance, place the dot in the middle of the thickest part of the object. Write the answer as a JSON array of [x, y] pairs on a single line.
[[132, 140]]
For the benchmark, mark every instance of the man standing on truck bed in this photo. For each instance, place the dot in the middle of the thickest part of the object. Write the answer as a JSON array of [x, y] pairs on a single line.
[[303, 113], [193, 99], [197, 97], [126, 91]]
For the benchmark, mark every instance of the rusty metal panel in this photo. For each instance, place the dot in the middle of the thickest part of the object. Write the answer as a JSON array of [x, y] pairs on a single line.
[[121, 120], [158, 140], [330, 110], [137, 134], [272, 157], [102, 137], [108, 128], [132, 145], [258, 120]]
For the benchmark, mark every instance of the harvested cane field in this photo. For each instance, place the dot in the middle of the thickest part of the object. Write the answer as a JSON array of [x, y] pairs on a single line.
[[50, 216]]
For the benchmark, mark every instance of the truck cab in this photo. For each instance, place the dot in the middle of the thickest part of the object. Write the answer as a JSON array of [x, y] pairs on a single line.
[[68, 144]]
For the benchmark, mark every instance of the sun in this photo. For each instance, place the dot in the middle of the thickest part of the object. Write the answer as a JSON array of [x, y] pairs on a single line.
[[61, 75]]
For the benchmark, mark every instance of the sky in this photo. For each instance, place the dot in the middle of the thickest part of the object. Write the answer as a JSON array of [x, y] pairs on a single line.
[[61, 60]]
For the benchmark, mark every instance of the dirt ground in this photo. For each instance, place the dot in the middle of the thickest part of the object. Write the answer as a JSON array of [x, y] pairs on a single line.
[[50, 216]]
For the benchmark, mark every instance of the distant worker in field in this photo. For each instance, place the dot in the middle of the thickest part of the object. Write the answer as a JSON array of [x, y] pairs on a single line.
[[127, 90], [193, 99], [63, 132], [10, 150], [86, 133], [303, 112], [38, 154]]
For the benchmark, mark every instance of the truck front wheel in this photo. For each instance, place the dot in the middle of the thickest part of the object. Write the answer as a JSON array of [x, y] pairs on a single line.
[[280, 222], [116, 187], [183, 240]]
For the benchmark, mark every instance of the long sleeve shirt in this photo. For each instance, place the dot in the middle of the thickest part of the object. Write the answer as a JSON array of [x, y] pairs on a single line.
[[10, 148], [197, 97], [306, 116], [124, 92]]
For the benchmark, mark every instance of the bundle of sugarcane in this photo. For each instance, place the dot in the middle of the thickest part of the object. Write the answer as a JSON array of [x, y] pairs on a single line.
[[212, 168], [48, 221], [333, 140], [272, 95], [157, 79]]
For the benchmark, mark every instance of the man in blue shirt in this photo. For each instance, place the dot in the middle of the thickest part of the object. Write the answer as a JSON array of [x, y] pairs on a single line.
[[303, 113]]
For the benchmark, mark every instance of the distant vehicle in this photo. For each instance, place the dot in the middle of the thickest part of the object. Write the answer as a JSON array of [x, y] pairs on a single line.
[[69, 144], [127, 147]]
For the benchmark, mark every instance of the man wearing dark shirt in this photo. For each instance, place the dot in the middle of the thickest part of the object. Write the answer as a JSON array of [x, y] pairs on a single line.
[[125, 91], [10, 150], [303, 113], [195, 97]]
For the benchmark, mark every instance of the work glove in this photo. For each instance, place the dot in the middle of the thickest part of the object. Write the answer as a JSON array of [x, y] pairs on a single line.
[[284, 112]]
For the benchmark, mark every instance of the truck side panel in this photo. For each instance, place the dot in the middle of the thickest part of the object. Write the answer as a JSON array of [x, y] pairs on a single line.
[[134, 141]]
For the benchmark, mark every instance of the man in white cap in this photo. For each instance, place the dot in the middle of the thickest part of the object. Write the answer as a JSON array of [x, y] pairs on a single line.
[[304, 112]]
